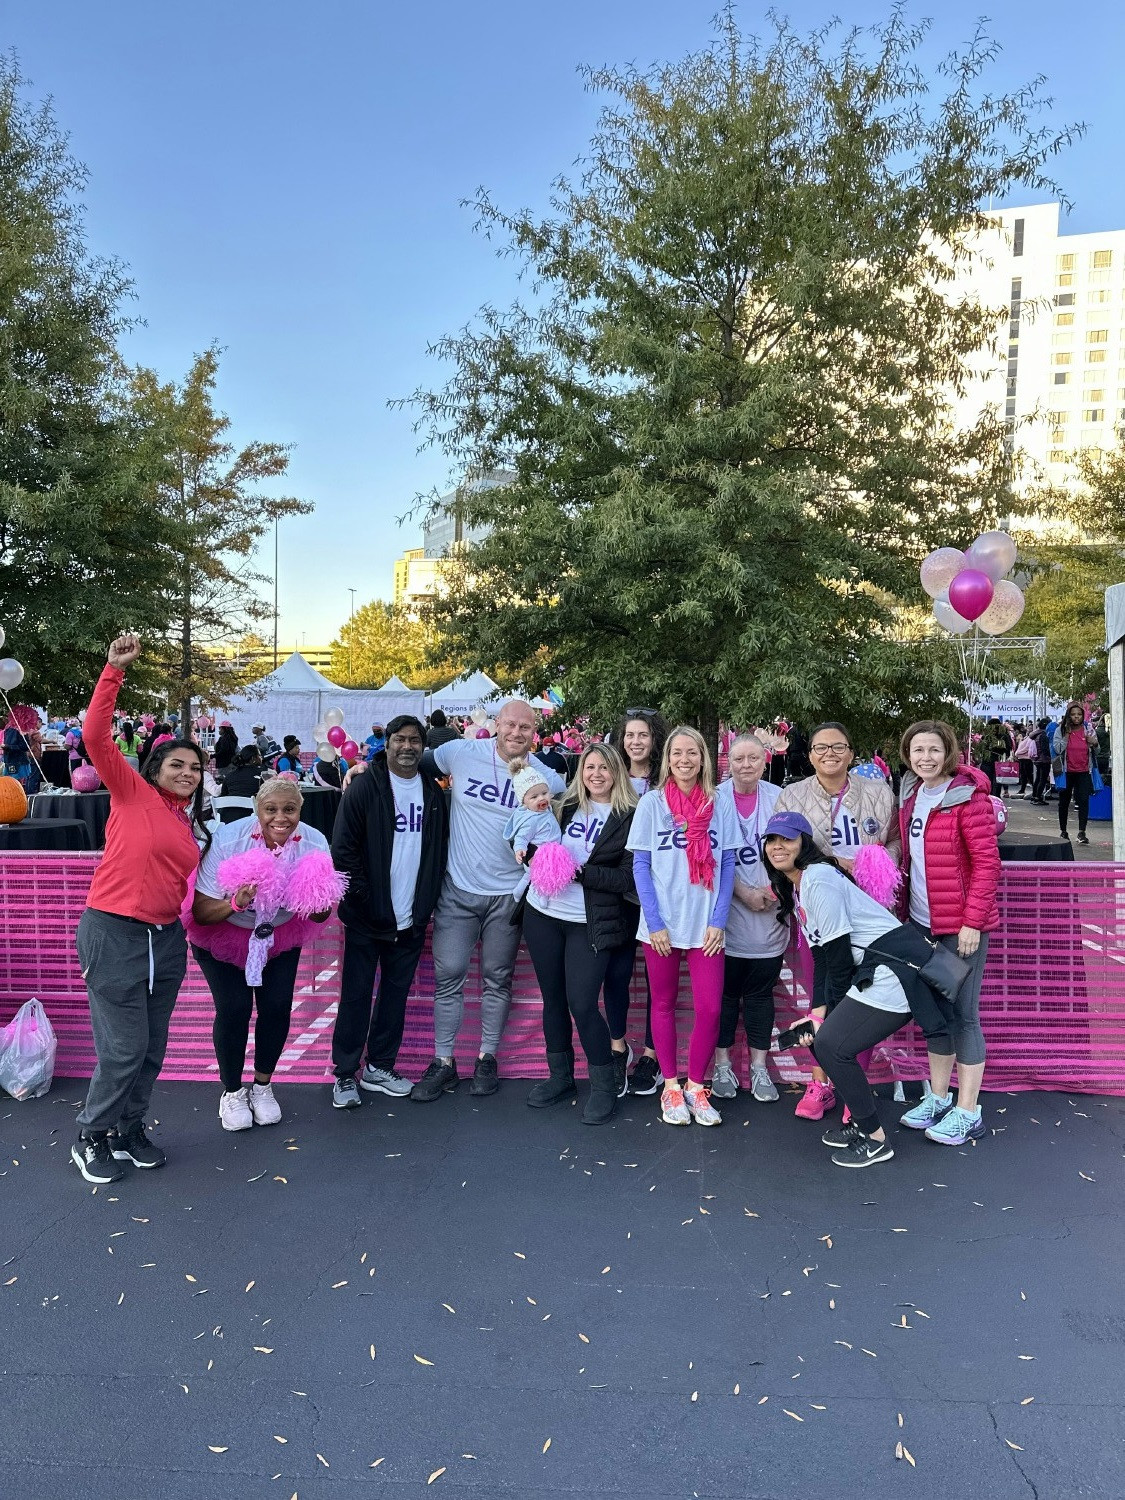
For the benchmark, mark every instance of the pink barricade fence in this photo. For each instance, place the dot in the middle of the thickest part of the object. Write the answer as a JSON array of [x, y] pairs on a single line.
[[1053, 1005]]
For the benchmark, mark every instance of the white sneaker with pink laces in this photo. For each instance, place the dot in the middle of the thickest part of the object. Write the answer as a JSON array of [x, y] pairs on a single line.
[[702, 1110], [673, 1109]]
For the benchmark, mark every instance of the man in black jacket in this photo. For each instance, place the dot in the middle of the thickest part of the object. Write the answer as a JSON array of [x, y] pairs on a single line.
[[391, 839]]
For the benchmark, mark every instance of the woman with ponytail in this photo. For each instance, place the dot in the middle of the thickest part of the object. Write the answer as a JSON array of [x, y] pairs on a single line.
[[683, 845]]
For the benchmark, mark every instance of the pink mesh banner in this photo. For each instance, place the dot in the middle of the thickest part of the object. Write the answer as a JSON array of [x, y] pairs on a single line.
[[1053, 1004]]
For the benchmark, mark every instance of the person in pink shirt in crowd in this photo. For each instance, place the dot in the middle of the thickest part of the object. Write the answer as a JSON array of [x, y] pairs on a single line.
[[1075, 748]]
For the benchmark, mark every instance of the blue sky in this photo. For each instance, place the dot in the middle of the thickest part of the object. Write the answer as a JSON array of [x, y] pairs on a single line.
[[285, 179]]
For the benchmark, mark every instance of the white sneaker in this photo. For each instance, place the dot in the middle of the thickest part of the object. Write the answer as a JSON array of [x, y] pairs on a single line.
[[762, 1086], [263, 1106], [724, 1081], [384, 1081], [234, 1111], [702, 1110], [673, 1109]]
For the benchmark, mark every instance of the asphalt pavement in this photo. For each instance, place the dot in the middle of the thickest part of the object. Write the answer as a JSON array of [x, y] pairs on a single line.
[[476, 1299]]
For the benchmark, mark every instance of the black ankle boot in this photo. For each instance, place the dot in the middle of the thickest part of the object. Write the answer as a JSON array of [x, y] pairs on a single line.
[[559, 1086], [602, 1103]]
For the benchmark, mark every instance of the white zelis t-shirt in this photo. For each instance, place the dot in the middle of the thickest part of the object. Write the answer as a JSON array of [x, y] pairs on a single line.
[[846, 836], [406, 848], [752, 934], [480, 859], [829, 906], [578, 839], [238, 838], [685, 908], [640, 785], [924, 804]]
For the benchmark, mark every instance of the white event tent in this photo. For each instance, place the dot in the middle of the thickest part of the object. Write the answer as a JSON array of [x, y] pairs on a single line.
[[295, 697], [464, 694]]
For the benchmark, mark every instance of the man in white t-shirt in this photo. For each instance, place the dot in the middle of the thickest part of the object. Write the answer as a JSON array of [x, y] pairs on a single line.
[[391, 838], [477, 903]]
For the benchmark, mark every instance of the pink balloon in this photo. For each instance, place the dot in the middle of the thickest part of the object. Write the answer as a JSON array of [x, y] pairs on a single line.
[[970, 593], [349, 749], [85, 779], [336, 736]]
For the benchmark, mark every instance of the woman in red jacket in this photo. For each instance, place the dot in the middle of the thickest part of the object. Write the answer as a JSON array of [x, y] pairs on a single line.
[[131, 943], [952, 865]]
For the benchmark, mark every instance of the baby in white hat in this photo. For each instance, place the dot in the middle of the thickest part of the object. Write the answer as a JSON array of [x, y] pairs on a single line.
[[533, 823]]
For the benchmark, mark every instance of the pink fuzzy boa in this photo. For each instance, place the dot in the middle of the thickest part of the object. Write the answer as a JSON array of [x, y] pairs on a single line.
[[876, 873], [551, 869]]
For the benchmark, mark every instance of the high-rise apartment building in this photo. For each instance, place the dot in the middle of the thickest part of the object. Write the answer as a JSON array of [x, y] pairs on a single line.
[[1059, 378]]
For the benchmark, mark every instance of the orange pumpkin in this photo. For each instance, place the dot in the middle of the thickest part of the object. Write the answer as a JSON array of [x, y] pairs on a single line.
[[13, 800]]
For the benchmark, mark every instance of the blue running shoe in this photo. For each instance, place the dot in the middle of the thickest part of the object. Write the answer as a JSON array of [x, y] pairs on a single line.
[[928, 1111], [957, 1127]]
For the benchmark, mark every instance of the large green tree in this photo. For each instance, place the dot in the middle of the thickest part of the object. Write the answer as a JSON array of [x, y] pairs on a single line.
[[380, 641], [80, 545], [727, 406], [209, 488]]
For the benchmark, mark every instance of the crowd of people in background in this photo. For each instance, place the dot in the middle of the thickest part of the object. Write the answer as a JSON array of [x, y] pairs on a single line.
[[877, 885]]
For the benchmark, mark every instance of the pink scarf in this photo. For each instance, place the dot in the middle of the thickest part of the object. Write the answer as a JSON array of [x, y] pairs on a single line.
[[692, 814]]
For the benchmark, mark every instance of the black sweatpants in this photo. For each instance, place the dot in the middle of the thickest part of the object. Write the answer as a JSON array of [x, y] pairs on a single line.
[[570, 975], [618, 978], [234, 1002], [850, 1028], [368, 1018], [748, 985], [133, 972], [1080, 786]]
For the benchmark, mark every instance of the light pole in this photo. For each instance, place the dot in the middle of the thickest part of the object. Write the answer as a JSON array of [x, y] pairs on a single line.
[[276, 519], [351, 622]]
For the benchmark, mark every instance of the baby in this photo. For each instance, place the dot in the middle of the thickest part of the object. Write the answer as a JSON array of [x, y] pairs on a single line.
[[533, 823]]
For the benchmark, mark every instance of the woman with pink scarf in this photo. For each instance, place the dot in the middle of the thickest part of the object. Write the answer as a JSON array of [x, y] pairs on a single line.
[[684, 846]]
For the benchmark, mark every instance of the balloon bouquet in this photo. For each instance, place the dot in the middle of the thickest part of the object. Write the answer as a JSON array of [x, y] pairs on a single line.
[[11, 675], [971, 593], [333, 741]]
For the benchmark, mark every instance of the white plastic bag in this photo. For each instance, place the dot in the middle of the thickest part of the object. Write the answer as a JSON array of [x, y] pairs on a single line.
[[27, 1052]]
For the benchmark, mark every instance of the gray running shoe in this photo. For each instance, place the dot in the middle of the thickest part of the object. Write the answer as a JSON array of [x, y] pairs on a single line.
[[345, 1095], [762, 1086], [724, 1082], [384, 1081]]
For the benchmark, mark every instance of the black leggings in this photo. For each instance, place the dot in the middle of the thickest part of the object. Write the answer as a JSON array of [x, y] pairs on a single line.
[[1039, 786], [234, 1001], [1080, 785], [570, 975], [618, 978], [850, 1028], [748, 986]]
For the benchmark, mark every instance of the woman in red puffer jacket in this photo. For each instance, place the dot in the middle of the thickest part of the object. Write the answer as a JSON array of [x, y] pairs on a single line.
[[952, 866]]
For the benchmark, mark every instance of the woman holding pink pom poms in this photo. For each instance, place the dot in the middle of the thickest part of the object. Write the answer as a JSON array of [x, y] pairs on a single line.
[[260, 887], [577, 914]]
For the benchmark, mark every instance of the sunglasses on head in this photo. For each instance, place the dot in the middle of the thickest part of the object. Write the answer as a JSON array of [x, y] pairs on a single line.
[[640, 713]]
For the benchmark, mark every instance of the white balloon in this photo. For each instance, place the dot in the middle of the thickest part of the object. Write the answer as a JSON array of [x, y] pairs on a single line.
[[319, 732], [940, 568], [325, 751], [948, 618], [993, 553], [334, 716], [11, 674], [1005, 610]]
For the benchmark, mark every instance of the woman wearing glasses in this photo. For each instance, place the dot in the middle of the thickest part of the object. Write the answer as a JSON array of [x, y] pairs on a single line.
[[639, 735], [844, 812]]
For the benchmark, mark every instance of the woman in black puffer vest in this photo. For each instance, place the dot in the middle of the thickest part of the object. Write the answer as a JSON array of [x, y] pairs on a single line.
[[571, 935]]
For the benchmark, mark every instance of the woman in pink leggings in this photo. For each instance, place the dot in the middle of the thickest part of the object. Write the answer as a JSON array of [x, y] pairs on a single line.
[[683, 845]]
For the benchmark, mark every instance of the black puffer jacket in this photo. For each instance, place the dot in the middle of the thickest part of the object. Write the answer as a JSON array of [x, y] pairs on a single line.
[[612, 908]]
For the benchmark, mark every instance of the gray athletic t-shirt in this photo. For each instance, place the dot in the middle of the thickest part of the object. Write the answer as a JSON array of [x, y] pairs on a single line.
[[480, 859]]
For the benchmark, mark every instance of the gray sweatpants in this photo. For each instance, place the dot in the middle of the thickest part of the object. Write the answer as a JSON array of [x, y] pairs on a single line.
[[461, 921], [133, 974]]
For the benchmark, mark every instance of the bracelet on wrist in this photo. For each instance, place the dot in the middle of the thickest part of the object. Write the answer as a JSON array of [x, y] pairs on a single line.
[[234, 908]]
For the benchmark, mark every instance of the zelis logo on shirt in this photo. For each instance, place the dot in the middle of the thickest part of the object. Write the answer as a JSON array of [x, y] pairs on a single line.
[[584, 832], [846, 833], [747, 855], [410, 822], [488, 791], [916, 826], [676, 838]]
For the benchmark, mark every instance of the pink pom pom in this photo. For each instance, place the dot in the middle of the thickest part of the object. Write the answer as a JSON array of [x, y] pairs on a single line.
[[314, 884], [876, 873], [254, 867], [551, 869]]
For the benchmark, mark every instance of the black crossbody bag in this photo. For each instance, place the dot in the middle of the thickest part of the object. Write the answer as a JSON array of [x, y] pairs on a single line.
[[944, 971]]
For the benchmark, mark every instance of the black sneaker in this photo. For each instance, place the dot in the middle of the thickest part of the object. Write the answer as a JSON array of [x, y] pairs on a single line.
[[91, 1155], [646, 1077], [1082, 839], [840, 1136], [439, 1078], [134, 1145], [486, 1079], [863, 1152], [620, 1062]]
